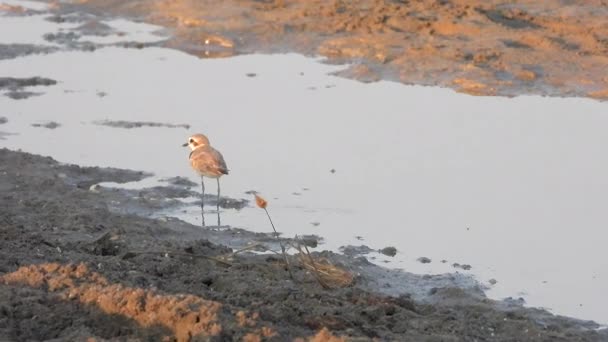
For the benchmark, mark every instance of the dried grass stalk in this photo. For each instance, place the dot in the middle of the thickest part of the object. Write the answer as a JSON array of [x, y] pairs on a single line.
[[262, 203], [327, 274]]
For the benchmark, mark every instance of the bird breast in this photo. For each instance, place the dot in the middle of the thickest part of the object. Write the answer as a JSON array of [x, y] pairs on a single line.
[[208, 162]]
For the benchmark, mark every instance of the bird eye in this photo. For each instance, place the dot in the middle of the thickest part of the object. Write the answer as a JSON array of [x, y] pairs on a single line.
[[191, 140]]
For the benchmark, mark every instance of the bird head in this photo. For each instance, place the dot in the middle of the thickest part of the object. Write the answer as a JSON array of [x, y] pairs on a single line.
[[197, 140]]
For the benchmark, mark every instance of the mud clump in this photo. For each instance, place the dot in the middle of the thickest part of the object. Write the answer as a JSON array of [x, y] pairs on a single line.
[[389, 251], [464, 267], [180, 181], [424, 260], [311, 241], [71, 269], [21, 95], [425, 42], [10, 51], [49, 125], [61, 37], [355, 250], [17, 83], [95, 28], [15, 86], [515, 19], [138, 124]]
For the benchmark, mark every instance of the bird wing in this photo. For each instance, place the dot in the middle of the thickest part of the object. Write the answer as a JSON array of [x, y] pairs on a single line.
[[221, 163], [208, 161]]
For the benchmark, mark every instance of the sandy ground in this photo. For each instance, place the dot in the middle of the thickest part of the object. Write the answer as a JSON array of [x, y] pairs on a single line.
[[556, 48], [71, 268]]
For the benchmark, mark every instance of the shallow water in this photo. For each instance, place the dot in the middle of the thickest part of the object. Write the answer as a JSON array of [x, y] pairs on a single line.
[[514, 187]]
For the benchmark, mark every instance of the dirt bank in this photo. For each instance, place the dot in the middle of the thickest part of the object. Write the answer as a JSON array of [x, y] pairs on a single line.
[[556, 48], [71, 268]]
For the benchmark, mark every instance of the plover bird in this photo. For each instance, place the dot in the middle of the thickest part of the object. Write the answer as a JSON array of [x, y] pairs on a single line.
[[207, 162]]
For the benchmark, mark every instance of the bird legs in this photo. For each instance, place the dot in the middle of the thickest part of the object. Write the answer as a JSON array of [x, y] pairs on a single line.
[[203, 200], [218, 202]]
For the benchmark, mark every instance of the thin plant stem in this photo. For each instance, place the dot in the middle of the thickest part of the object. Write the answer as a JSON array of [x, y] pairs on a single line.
[[276, 235]]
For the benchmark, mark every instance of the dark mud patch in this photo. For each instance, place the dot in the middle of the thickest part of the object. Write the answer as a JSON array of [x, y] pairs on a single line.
[[95, 28], [12, 83], [85, 177], [310, 240], [515, 19], [353, 251], [71, 269], [564, 44], [138, 124], [71, 41], [143, 202], [15, 87], [465, 267], [389, 251], [515, 44], [180, 181], [21, 95], [74, 17], [424, 260], [49, 125], [225, 202], [10, 51], [152, 200], [67, 38]]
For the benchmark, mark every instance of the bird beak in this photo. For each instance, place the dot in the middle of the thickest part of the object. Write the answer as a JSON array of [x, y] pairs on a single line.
[[184, 145]]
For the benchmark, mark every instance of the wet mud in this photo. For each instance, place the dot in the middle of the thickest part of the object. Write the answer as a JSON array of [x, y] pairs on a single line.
[[17, 88], [424, 260], [10, 51], [49, 125], [555, 48], [94, 256], [138, 124], [12, 83], [363, 250], [72, 268]]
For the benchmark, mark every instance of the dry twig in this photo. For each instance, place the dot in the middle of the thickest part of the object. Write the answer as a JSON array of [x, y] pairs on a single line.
[[262, 204]]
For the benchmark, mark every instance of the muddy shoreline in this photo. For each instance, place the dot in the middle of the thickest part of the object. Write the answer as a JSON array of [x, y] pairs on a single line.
[[79, 259], [554, 48], [72, 268]]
